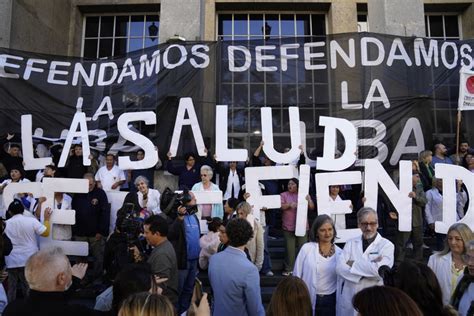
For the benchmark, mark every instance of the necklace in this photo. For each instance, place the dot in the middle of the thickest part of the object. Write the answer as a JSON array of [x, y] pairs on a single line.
[[327, 254]]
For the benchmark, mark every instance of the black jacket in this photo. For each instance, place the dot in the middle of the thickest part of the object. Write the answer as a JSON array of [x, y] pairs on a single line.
[[92, 213], [224, 177], [177, 236]]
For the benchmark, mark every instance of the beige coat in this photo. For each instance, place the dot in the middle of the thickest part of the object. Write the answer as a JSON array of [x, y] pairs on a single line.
[[255, 245]]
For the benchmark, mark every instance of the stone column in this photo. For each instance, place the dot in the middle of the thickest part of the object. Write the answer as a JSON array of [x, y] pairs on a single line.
[[5, 22], [397, 17], [180, 17], [342, 16]]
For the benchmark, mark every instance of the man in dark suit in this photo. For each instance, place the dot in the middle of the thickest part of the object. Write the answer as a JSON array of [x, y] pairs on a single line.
[[234, 279]]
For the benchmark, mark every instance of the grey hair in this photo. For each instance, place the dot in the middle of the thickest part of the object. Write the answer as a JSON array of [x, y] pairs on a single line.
[[141, 178], [471, 245], [208, 171], [244, 206], [43, 267], [363, 212]]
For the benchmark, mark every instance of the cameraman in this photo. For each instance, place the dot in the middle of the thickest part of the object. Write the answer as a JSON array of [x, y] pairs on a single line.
[[184, 233]]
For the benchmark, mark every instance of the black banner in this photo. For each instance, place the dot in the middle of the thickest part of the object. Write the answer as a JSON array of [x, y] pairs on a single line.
[[400, 92]]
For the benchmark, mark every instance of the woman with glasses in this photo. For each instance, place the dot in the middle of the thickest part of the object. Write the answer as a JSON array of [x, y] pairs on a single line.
[[316, 266], [208, 210], [448, 264], [289, 203]]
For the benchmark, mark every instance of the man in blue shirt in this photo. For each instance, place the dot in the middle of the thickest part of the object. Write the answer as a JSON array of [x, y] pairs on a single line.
[[184, 233], [234, 279]]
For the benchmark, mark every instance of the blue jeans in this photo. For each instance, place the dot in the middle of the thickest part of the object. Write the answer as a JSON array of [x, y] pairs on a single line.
[[267, 261], [186, 285], [325, 305]]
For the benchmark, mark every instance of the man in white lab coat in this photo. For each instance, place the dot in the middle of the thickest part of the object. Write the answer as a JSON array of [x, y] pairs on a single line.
[[364, 260]]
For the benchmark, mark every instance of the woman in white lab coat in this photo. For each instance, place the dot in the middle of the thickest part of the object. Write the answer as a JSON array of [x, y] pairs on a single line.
[[448, 264], [316, 265]]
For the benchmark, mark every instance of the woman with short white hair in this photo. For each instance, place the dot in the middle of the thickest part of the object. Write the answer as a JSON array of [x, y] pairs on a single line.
[[145, 201], [208, 210]]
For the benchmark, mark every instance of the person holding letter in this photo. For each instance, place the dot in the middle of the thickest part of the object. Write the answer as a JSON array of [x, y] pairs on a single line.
[[289, 203]]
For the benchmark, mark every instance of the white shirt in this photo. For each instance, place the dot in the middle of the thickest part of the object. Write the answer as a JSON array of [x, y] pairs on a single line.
[[108, 177], [22, 231], [233, 179], [62, 232], [434, 206], [339, 219], [153, 201], [310, 268], [327, 281], [4, 204]]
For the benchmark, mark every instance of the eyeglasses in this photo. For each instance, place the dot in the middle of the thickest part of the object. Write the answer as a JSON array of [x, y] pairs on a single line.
[[365, 224], [203, 175], [467, 258]]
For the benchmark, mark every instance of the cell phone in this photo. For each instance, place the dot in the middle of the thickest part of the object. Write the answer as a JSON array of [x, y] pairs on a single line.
[[198, 291]]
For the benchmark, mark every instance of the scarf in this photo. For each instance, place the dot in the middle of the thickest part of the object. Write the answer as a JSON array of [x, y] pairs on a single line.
[[462, 286]]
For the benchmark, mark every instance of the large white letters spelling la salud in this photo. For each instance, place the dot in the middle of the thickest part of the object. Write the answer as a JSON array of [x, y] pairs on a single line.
[[151, 155], [186, 105], [65, 217], [31, 163], [223, 153], [328, 162], [449, 174], [267, 135], [79, 120]]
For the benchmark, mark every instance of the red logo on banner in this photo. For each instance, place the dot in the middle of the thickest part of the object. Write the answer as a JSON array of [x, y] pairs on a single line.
[[470, 84]]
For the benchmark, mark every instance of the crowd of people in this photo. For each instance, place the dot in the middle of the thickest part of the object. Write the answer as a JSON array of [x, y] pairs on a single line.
[[149, 264]]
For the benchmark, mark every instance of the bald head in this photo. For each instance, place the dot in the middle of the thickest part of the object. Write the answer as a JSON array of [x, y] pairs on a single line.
[[48, 270]]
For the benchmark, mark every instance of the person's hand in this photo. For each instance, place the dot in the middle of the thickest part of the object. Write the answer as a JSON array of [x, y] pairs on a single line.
[[137, 257], [378, 259], [203, 309], [412, 195], [47, 213], [293, 205], [114, 186], [364, 199], [98, 236], [3, 276], [10, 136], [156, 288], [91, 157], [42, 199], [262, 143], [246, 195], [79, 270], [393, 215], [169, 154], [206, 151], [301, 148], [181, 212]]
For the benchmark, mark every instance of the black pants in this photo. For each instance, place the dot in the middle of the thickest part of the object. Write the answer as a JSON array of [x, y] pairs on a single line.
[[325, 305]]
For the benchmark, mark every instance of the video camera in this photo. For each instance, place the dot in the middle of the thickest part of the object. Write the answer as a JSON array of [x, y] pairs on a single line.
[[171, 201]]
